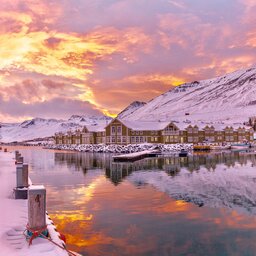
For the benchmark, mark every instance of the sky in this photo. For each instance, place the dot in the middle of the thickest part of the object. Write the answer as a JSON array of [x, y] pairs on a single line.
[[64, 57]]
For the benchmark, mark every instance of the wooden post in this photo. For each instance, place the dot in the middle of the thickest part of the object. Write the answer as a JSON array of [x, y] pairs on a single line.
[[17, 154], [36, 207], [22, 175], [20, 160]]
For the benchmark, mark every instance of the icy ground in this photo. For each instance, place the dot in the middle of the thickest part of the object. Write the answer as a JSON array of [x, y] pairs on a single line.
[[132, 148], [233, 188], [13, 218]]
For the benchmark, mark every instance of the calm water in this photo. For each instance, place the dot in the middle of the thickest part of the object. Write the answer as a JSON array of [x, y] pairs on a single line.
[[105, 208]]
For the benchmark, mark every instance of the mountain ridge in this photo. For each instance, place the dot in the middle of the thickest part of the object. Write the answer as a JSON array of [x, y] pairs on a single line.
[[227, 98], [41, 128]]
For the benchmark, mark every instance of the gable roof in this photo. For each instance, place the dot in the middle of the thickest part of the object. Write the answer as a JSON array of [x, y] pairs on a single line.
[[144, 125]]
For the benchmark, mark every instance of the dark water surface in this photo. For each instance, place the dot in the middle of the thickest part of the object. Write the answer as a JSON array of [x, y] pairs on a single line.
[[104, 209]]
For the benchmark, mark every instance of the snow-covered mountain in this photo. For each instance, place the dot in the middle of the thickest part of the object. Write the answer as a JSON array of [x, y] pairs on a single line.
[[227, 99], [131, 109], [42, 128]]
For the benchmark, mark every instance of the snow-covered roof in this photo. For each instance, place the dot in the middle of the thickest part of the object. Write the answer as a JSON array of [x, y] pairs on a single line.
[[96, 128], [145, 126]]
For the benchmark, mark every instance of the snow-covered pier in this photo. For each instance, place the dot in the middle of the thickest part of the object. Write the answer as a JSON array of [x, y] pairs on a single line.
[[136, 156], [14, 219]]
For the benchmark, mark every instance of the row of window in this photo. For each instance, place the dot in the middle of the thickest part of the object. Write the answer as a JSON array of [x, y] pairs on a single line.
[[172, 139], [116, 130]]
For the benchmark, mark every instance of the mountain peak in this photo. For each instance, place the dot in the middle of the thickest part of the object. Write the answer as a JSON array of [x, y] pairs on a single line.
[[131, 109]]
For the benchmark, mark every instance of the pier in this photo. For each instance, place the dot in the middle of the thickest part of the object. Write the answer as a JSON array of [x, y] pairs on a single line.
[[136, 156], [22, 217]]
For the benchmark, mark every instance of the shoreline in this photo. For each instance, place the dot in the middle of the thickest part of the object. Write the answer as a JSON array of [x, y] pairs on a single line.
[[14, 218], [131, 148]]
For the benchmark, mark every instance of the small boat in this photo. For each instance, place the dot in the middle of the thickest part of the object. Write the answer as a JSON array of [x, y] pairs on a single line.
[[201, 147], [183, 153], [219, 147], [240, 145]]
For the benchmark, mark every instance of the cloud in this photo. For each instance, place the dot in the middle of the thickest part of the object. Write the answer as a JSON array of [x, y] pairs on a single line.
[[15, 109], [109, 53]]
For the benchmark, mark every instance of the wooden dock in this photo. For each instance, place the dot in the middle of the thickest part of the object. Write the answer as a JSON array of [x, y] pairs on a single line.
[[131, 157]]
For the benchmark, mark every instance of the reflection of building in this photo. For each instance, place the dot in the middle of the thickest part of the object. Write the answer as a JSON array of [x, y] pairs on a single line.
[[135, 132], [172, 165]]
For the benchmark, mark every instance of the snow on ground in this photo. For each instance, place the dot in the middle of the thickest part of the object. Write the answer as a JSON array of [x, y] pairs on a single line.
[[13, 218], [233, 188], [132, 148]]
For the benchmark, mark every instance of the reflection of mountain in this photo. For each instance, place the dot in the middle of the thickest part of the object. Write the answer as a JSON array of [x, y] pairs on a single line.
[[233, 188], [172, 165]]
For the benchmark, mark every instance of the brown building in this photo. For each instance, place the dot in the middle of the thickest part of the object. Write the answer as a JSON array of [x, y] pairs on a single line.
[[125, 132], [134, 132]]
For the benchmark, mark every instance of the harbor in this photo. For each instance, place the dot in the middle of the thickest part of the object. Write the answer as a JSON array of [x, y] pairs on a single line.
[[26, 229], [117, 207]]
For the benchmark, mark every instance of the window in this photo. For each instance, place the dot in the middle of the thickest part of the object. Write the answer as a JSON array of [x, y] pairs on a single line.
[[137, 133], [156, 139], [141, 133], [141, 140], [137, 139], [190, 130], [119, 130], [190, 139], [118, 139], [113, 139], [113, 129], [124, 140], [133, 140]]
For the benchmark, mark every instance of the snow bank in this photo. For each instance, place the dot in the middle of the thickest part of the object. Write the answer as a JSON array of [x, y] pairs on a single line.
[[232, 188], [132, 148], [13, 218]]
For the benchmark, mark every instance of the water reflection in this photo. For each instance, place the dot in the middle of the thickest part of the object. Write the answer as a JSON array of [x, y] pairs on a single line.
[[107, 208], [171, 164]]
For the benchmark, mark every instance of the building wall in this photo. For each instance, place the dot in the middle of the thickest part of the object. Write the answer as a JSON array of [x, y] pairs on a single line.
[[117, 133]]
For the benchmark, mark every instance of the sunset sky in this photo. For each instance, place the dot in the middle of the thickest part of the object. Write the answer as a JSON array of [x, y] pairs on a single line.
[[63, 57]]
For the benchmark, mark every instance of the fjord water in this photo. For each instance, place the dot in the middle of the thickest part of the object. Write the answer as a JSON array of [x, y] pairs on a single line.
[[201, 205]]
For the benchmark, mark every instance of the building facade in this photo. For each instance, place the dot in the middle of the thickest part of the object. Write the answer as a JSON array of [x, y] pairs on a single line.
[[122, 132]]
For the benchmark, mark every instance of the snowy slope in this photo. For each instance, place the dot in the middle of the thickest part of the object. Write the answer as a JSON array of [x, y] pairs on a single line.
[[131, 109], [230, 98], [41, 128]]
